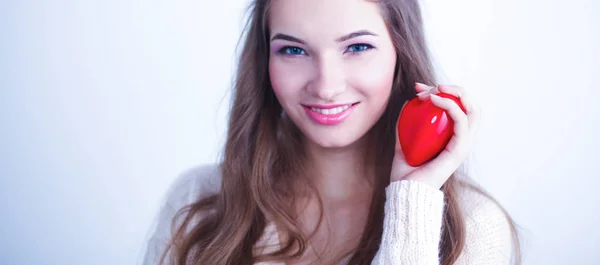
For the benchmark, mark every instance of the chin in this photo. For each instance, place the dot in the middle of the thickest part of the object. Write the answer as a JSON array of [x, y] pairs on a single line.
[[340, 136], [332, 141]]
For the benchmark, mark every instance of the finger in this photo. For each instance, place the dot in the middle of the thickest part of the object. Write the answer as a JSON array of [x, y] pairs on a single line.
[[425, 90], [451, 89], [420, 87], [471, 109], [460, 93], [461, 125]]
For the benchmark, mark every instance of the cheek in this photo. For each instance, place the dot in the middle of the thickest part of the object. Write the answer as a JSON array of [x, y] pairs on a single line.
[[286, 79], [275, 76], [374, 79]]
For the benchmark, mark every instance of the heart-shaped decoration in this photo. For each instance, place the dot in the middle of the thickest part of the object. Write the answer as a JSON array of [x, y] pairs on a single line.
[[424, 129]]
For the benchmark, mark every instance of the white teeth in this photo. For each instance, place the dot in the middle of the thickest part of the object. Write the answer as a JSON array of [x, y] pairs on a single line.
[[332, 111]]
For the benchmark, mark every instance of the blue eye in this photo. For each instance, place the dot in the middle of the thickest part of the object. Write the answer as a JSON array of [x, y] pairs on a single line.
[[356, 48], [289, 50]]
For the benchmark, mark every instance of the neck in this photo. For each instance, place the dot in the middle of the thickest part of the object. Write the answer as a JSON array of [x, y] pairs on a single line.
[[341, 181], [340, 174]]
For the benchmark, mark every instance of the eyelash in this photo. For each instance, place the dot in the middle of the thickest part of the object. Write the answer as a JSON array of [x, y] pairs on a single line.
[[284, 50]]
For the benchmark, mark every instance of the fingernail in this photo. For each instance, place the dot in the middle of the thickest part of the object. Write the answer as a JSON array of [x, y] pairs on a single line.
[[422, 93], [423, 85], [443, 88]]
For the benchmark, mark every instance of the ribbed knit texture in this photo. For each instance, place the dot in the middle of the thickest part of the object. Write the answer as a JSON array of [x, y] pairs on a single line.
[[412, 224]]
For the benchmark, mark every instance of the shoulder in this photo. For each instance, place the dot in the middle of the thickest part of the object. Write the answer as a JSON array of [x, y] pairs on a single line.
[[488, 234], [188, 187], [194, 183]]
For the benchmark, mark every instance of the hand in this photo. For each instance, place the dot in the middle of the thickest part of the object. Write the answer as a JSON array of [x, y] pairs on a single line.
[[437, 171]]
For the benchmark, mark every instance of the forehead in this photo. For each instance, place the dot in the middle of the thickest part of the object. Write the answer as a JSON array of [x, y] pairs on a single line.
[[324, 18]]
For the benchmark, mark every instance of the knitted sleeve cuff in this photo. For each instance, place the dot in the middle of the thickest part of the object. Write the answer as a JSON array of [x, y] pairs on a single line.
[[412, 223]]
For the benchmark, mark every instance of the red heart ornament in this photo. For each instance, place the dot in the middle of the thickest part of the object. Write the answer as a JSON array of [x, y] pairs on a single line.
[[424, 129]]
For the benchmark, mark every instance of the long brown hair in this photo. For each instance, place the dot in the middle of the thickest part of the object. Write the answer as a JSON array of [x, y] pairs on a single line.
[[263, 156]]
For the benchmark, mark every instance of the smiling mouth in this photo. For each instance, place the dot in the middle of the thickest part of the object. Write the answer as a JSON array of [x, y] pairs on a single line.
[[329, 114], [330, 109]]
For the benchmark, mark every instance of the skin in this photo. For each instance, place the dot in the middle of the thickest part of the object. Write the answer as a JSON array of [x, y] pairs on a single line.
[[316, 59]]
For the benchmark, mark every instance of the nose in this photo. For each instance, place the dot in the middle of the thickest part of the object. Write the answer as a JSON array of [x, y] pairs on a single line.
[[328, 81]]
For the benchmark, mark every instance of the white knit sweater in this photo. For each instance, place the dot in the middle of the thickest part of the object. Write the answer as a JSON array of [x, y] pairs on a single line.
[[412, 223]]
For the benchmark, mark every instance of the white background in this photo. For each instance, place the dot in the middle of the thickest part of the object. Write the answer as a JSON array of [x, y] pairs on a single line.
[[104, 103]]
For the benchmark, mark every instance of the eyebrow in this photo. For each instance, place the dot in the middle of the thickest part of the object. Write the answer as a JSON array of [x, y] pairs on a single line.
[[280, 36]]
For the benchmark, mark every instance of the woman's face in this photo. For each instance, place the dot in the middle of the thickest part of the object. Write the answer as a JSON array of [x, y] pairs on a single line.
[[331, 66]]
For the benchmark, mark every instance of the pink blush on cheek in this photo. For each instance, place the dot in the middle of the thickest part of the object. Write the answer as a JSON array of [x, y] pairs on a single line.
[[275, 76], [373, 80], [377, 74], [288, 74]]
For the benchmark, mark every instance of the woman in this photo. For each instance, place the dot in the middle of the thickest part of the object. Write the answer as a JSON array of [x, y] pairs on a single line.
[[312, 171]]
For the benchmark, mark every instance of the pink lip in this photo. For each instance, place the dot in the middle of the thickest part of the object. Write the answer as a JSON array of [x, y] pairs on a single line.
[[328, 119], [328, 106]]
